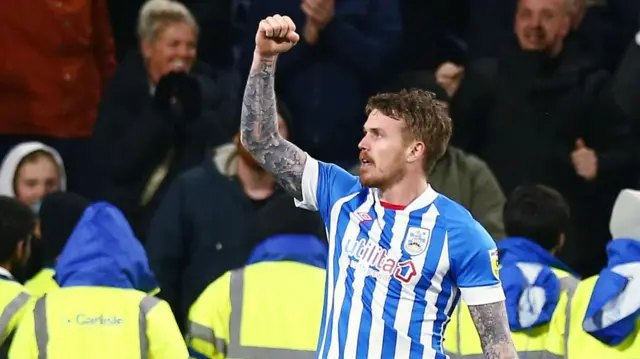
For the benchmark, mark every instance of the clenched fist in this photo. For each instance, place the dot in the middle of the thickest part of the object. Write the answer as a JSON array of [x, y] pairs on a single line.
[[276, 34]]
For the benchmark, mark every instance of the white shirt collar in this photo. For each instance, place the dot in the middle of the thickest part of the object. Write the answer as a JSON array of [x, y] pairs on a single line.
[[4, 272]]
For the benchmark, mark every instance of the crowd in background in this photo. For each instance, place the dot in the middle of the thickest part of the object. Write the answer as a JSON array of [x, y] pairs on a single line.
[[139, 106]]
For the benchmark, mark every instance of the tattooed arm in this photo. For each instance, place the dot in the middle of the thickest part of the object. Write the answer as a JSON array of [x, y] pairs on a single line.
[[493, 328], [259, 129]]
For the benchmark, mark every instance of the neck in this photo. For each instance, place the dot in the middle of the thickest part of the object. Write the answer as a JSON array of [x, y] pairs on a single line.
[[257, 183], [405, 191], [6, 266]]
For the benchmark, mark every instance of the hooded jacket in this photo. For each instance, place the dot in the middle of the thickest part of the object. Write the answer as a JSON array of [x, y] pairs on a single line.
[[102, 269], [17, 154], [103, 252], [613, 312]]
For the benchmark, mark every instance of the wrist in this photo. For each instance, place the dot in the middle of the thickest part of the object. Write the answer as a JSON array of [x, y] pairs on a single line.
[[260, 62]]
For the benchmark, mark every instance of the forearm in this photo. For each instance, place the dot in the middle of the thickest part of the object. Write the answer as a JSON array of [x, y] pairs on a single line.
[[493, 328], [259, 129]]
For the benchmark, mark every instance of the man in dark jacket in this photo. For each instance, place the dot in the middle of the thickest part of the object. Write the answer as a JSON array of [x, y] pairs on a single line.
[[542, 112], [346, 50], [203, 225]]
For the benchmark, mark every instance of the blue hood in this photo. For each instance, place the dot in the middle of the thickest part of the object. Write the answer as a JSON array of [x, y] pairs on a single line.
[[614, 306], [301, 248], [103, 251], [531, 288]]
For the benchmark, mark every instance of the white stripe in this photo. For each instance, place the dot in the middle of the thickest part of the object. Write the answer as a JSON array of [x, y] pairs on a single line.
[[335, 214], [431, 312], [380, 294], [360, 274], [352, 231], [408, 295]]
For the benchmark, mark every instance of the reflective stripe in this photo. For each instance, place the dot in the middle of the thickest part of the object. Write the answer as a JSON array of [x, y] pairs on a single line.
[[10, 311], [235, 350], [42, 331], [522, 354], [40, 325], [568, 284], [146, 304], [201, 332]]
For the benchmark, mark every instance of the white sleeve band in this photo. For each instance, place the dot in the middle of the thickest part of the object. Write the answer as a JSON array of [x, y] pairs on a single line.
[[482, 295], [309, 185]]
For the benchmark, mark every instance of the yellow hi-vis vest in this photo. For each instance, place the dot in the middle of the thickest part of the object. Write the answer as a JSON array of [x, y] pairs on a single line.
[[13, 304], [98, 322], [267, 310], [568, 340], [461, 339], [42, 283]]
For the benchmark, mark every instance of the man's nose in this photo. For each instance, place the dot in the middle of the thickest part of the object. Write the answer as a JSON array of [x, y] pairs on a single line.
[[363, 145]]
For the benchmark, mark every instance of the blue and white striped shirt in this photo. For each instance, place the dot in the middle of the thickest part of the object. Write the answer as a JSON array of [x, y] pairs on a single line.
[[394, 274]]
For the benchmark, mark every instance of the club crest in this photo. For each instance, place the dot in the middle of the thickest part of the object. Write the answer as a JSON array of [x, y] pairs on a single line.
[[417, 240]]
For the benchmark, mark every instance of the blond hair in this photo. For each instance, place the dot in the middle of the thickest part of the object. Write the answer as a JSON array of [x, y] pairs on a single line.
[[156, 15]]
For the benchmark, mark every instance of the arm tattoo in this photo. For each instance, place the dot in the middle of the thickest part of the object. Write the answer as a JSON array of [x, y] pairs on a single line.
[[259, 132], [493, 328]]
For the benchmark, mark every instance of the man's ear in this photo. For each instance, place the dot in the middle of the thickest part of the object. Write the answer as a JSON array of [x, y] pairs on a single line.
[[20, 249], [416, 151], [146, 48], [561, 241]]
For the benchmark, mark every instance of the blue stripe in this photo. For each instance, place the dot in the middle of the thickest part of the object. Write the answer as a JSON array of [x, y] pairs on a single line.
[[390, 335], [343, 322], [341, 227], [196, 354], [419, 307], [364, 333], [441, 316]]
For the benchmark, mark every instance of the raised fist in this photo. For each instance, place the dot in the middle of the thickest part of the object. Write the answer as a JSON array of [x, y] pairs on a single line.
[[276, 34]]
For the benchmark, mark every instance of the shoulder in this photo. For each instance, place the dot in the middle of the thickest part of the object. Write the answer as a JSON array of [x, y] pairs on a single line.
[[460, 224]]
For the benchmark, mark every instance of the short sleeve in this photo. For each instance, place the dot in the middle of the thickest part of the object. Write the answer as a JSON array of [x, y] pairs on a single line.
[[474, 260], [323, 184]]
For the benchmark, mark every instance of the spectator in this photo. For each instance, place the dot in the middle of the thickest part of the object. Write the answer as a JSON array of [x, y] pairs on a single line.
[[59, 58], [59, 214], [536, 219], [17, 224], [460, 176], [346, 52], [601, 319], [104, 278], [543, 112], [159, 114], [201, 228], [287, 268], [30, 171]]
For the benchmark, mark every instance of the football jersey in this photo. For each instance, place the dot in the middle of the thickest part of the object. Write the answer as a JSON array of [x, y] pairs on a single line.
[[394, 274]]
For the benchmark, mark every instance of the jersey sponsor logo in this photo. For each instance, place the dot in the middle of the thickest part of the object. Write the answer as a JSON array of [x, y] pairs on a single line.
[[378, 262], [417, 240], [495, 264]]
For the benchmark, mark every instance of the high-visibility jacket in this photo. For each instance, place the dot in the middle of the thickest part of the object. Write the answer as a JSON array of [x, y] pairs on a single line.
[[568, 340], [13, 304], [42, 283], [461, 340], [98, 322], [265, 310]]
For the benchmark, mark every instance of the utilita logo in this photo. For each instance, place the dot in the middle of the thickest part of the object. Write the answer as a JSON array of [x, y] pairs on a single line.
[[367, 254]]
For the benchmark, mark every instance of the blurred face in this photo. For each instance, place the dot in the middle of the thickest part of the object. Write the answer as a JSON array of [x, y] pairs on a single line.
[[247, 157], [383, 151], [173, 50], [542, 24], [35, 179]]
